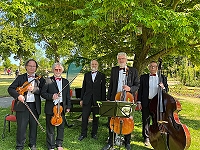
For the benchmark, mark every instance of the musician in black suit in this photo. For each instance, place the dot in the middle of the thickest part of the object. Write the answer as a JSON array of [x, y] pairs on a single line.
[[116, 85], [93, 90], [56, 91], [32, 98], [148, 89]]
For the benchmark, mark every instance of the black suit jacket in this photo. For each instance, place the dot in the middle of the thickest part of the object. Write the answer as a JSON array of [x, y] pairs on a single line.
[[18, 82], [49, 89], [96, 89], [132, 81], [143, 92]]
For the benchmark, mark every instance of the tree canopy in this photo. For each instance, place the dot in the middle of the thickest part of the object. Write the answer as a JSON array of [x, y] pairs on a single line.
[[99, 29]]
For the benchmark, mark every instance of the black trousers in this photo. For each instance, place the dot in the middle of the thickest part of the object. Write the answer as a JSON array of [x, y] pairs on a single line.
[[145, 122], [54, 140], [25, 118], [86, 110]]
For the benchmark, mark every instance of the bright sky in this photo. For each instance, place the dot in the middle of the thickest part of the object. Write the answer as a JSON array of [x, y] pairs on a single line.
[[13, 61]]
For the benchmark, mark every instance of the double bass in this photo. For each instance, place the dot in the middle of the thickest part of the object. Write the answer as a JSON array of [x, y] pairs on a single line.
[[166, 131]]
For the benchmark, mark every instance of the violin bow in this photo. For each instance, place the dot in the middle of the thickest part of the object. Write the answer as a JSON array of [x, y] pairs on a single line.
[[34, 117], [67, 85]]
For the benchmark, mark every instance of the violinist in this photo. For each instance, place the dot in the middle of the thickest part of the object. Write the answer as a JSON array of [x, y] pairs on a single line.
[[148, 89], [56, 95], [116, 85], [32, 98]]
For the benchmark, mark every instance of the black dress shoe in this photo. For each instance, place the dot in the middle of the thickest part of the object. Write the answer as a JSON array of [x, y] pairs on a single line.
[[81, 137], [33, 147], [128, 147], [107, 147], [94, 137], [146, 142]]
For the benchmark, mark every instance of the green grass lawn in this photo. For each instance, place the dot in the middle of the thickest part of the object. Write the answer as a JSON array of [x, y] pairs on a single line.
[[189, 115]]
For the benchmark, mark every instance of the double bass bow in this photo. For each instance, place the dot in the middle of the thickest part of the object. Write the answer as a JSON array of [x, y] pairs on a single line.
[[166, 131]]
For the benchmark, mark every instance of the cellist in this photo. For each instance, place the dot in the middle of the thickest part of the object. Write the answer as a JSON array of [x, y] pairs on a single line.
[[148, 89], [51, 92], [116, 85]]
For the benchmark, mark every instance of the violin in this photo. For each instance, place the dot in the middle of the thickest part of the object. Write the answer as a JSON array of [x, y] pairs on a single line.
[[123, 125], [56, 119], [166, 131], [24, 88]]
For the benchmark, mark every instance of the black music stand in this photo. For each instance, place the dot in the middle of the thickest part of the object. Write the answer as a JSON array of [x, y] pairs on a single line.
[[116, 109]]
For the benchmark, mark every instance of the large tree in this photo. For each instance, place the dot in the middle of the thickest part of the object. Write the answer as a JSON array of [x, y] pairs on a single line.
[[148, 29], [145, 29]]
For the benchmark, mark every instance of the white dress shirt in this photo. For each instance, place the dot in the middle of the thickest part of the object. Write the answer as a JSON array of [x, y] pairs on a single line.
[[30, 95], [153, 86]]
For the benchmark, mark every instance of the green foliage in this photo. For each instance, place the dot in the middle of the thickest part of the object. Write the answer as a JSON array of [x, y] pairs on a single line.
[[100, 29]]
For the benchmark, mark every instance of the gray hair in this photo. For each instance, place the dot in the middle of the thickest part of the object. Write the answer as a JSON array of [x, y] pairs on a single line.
[[94, 60], [57, 64], [121, 53]]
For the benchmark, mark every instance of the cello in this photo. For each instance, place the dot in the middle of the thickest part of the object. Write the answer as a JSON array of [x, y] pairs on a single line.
[[166, 131], [123, 125]]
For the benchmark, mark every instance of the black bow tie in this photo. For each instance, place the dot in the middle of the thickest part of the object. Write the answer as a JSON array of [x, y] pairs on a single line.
[[122, 69], [58, 79], [94, 72], [152, 74]]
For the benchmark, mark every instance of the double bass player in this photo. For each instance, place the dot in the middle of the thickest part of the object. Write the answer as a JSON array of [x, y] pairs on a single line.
[[148, 89]]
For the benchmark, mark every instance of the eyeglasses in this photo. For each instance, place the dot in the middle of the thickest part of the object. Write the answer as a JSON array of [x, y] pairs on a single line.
[[31, 66], [57, 69], [153, 66]]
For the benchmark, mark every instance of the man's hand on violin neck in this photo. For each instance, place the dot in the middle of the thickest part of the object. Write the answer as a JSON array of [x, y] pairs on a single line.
[[21, 98], [55, 96]]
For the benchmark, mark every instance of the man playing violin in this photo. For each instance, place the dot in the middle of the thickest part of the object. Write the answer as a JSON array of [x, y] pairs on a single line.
[[56, 91], [117, 84], [32, 97], [148, 89]]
